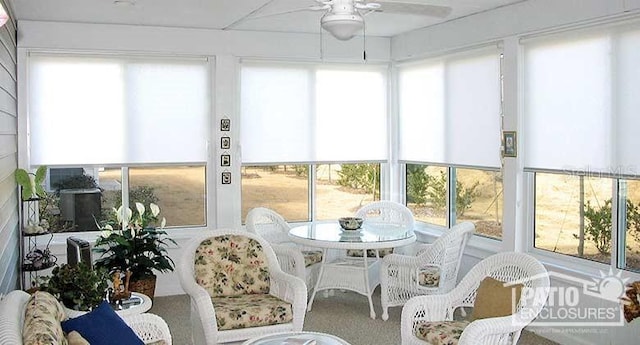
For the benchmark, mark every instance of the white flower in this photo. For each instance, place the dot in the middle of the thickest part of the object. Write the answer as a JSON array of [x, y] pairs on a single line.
[[163, 223], [106, 233], [140, 208], [155, 210]]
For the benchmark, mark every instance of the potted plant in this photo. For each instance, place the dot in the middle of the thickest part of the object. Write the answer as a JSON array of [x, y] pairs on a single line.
[[78, 287], [138, 244]]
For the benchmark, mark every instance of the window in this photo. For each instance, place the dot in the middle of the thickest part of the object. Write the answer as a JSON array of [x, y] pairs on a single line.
[[316, 136], [340, 189], [120, 124], [581, 143], [449, 115]]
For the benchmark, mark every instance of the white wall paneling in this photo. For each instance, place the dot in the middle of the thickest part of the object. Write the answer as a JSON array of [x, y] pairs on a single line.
[[9, 252]]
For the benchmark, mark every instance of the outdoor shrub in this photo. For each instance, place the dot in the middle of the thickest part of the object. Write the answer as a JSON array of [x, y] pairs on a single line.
[[360, 176], [417, 184], [465, 197], [302, 170], [76, 182], [437, 194], [598, 227], [143, 194]]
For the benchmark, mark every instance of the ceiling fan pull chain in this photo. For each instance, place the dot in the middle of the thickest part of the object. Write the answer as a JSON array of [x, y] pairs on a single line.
[[364, 42]]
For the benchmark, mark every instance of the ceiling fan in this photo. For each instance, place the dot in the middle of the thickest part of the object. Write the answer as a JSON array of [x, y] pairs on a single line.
[[345, 18]]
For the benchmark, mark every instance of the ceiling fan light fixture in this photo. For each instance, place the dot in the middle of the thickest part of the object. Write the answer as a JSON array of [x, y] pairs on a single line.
[[342, 26]]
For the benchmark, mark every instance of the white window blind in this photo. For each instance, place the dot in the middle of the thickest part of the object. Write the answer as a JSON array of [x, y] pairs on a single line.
[[449, 109], [581, 101], [117, 111], [311, 113]]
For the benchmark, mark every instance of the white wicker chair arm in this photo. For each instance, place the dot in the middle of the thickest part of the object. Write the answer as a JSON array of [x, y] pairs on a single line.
[[293, 290], [149, 327], [290, 259], [428, 308], [200, 299], [420, 248]]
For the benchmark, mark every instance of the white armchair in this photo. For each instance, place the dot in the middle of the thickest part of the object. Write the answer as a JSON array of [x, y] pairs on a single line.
[[302, 262], [237, 289], [429, 319], [434, 270]]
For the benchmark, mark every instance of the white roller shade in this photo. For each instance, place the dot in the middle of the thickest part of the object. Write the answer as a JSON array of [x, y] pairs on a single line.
[[310, 113], [581, 102], [87, 110], [450, 110]]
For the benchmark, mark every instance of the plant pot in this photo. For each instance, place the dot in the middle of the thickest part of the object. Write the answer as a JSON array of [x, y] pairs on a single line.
[[146, 286]]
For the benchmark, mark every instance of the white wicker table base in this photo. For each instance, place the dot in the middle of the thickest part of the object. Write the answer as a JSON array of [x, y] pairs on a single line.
[[358, 274]]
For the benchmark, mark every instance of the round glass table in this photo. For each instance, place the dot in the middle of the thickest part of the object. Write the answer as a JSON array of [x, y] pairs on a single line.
[[296, 338], [358, 274]]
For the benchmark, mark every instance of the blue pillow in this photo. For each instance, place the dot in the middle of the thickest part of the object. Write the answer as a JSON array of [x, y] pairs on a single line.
[[102, 326]]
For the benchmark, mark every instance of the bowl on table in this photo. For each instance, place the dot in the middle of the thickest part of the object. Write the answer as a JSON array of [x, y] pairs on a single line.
[[350, 223]]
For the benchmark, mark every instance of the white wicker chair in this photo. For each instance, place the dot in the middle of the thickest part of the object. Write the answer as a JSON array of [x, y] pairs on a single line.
[[383, 213], [148, 327], [506, 267], [434, 270], [302, 262], [282, 286]]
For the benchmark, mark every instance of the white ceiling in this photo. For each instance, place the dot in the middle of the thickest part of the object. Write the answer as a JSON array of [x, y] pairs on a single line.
[[217, 14]]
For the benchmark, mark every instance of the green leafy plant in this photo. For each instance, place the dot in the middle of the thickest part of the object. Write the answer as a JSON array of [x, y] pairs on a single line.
[[31, 183], [77, 287], [598, 227], [145, 195], [417, 184], [139, 245], [360, 176], [76, 182], [437, 194]]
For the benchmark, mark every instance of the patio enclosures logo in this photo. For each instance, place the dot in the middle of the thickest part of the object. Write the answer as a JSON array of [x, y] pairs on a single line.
[[574, 303]]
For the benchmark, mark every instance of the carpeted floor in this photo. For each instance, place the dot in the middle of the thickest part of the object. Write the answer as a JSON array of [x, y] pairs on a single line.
[[346, 314]]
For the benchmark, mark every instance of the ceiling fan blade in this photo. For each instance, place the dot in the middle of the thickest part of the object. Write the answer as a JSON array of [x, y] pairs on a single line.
[[247, 16], [311, 9], [367, 6], [412, 8]]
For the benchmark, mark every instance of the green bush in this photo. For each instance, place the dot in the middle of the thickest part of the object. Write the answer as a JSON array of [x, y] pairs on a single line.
[[417, 184], [437, 194], [360, 176], [598, 227], [143, 194]]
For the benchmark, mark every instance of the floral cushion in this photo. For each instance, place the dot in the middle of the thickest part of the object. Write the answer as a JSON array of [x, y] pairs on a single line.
[[441, 333], [42, 318], [371, 253], [231, 265], [429, 277], [251, 311], [311, 257]]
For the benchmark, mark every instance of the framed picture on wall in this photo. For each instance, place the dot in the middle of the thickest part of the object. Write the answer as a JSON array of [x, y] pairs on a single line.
[[225, 160], [226, 177], [509, 140], [225, 125], [225, 143]]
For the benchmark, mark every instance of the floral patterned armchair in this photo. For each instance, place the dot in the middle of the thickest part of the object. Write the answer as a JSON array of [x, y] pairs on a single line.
[[237, 288]]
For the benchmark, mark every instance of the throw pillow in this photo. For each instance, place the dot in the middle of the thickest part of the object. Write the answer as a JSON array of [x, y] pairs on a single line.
[[42, 316], [74, 338], [102, 326], [494, 299]]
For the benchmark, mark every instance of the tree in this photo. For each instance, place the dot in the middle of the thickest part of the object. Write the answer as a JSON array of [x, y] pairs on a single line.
[[417, 184]]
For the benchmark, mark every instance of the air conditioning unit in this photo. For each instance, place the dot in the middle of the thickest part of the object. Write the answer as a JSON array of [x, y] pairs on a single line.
[[81, 207]]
